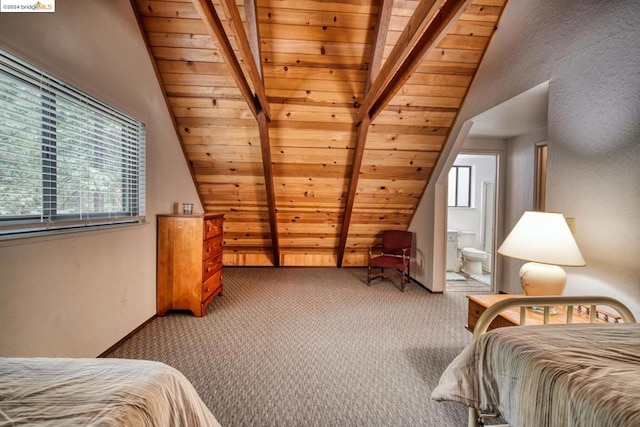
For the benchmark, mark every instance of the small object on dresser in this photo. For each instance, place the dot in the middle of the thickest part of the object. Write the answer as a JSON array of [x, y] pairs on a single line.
[[187, 208]]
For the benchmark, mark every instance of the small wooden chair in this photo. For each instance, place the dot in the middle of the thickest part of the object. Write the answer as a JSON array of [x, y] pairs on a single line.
[[394, 254]]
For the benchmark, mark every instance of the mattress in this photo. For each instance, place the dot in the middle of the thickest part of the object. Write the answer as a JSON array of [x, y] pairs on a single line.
[[104, 392]]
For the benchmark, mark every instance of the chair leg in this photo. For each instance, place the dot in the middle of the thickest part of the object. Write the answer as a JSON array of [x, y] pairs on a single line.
[[369, 276], [402, 282]]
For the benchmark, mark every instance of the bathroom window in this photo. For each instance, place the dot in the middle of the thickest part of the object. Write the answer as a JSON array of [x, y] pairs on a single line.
[[460, 186]]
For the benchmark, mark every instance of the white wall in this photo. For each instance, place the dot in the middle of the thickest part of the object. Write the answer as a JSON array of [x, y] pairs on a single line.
[[77, 295], [588, 50]]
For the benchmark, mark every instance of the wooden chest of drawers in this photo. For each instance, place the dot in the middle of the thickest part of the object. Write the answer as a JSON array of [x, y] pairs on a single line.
[[189, 271]]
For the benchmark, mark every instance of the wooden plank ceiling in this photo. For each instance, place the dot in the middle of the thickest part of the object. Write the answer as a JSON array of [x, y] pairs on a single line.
[[331, 136]]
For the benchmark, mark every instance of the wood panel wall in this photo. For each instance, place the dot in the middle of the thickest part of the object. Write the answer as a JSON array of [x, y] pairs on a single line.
[[314, 58]]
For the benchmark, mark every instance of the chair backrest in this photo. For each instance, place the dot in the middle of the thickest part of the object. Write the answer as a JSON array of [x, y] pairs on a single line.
[[393, 241]]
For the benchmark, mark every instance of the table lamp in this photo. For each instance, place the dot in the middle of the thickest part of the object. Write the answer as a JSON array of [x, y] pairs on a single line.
[[543, 239]]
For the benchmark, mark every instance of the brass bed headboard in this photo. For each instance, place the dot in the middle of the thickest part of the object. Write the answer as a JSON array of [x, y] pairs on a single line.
[[547, 302]]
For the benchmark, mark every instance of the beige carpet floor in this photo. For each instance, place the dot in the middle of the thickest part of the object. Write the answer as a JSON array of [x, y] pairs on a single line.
[[314, 347]]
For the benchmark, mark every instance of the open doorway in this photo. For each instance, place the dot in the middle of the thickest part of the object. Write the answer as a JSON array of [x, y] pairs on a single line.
[[471, 216], [515, 123]]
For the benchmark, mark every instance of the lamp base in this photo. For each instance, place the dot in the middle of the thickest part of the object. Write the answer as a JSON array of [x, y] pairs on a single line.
[[542, 279]]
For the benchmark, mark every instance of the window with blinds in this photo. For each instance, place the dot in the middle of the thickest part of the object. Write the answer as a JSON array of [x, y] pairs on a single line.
[[67, 160]]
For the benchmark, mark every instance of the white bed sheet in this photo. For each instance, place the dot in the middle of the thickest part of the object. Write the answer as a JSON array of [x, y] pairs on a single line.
[[97, 392], [554, 375]]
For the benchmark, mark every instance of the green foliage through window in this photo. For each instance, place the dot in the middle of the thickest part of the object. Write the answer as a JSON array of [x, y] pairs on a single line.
[[66, 159]]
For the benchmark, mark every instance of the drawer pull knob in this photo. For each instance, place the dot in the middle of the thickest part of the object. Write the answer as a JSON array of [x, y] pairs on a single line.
[[206, 289], [207, 270]]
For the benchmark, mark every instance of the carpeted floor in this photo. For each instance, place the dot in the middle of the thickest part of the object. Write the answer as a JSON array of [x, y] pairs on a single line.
[[314, 347]]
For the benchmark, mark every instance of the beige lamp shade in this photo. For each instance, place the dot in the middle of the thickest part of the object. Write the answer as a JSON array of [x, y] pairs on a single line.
[[542, 237]]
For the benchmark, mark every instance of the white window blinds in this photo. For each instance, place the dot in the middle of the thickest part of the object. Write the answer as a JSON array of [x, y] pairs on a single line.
[[67, 160]]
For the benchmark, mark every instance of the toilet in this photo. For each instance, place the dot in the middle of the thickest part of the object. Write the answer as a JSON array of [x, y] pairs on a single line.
[[473, 260]]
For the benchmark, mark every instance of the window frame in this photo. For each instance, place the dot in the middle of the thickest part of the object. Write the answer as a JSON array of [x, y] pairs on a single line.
[[457, 186], [123, 135]]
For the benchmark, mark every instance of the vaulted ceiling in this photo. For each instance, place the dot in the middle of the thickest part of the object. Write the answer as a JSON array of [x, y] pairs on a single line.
[[313, 125]]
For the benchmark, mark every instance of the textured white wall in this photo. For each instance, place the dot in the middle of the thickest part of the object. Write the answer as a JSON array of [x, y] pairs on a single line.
[[78, 294], [588, 50], [594, 169]]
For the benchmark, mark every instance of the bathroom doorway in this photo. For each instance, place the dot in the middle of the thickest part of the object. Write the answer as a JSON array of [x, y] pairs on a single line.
[[471, 216]]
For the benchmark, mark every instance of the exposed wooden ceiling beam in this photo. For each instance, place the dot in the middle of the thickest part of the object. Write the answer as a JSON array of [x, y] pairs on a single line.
[[425, 28], [246, 53], [260, 109], [380, 39], [253, 35], [249, 48], [375, 62], [361, 137], [214, 27], [265, 144], [438, 28]]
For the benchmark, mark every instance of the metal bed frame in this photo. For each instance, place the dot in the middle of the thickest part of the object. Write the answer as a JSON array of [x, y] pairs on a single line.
[[546, 303]]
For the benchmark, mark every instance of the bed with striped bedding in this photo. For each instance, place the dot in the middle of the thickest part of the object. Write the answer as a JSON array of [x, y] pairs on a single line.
[[105, 392], [550, 375]]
